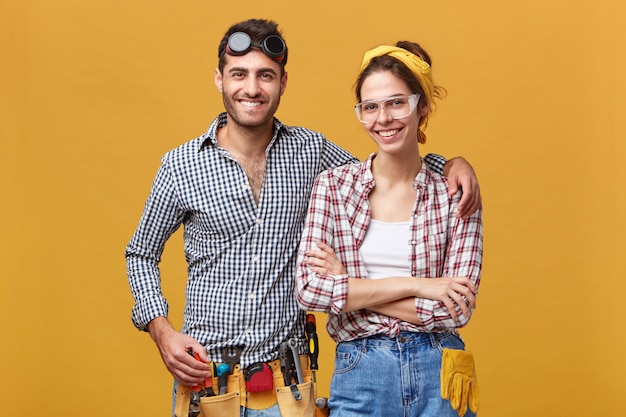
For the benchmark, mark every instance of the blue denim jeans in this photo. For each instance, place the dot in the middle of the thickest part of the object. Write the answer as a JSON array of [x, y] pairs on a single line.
[[391, 377], [268, 412], [245, 412]]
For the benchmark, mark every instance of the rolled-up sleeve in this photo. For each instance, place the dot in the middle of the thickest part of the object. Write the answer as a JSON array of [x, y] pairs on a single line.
[[314, 291], [463, 259], [161, 217]]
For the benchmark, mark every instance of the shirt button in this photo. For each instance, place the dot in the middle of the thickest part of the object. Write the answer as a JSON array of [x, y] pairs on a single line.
[[259, 221], [255, 258], [413, 273], [414, 242], [251, 296]]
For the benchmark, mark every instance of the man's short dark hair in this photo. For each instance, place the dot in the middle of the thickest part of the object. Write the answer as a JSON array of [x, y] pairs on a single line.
[[258, 30]]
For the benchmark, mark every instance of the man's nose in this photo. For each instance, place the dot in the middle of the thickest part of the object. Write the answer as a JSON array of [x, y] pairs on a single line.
[[251, 86]]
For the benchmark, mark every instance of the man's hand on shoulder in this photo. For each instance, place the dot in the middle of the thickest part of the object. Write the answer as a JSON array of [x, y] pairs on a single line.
[[461, 175]]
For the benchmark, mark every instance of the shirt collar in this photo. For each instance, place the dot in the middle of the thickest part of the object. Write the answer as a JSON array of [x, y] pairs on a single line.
[[424, 176], [210, 136]]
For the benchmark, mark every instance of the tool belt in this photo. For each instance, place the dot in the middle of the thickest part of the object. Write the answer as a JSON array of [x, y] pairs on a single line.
[[294, 401]]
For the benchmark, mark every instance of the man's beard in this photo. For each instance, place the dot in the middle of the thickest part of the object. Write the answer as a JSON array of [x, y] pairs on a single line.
[[241, 118]]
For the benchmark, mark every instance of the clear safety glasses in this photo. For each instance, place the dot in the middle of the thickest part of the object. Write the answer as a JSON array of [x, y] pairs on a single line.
[[396, 107], [239, 43]]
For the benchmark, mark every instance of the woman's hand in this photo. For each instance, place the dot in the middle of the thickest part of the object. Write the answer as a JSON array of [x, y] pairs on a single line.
[[449, 291], [324, 261]]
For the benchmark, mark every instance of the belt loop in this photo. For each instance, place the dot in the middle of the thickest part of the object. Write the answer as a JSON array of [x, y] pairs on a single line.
[[364, 344], [434, 340]]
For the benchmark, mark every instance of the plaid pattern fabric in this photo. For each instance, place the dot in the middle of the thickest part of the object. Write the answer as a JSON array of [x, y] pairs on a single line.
[[441, 246], [241, 258]]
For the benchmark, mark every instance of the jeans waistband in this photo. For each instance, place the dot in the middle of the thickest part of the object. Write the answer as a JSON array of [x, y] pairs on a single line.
[[405, 339]]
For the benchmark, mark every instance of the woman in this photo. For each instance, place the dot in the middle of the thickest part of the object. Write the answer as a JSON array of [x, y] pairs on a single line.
[[376, 235]]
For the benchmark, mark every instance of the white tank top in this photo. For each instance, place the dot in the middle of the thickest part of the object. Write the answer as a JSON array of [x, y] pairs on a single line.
[[385, 249]]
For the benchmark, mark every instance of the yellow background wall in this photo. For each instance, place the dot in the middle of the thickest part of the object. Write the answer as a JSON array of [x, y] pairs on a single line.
[[94, 92]]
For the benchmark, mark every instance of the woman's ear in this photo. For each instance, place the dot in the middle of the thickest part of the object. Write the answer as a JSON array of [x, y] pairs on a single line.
[[423, 108]]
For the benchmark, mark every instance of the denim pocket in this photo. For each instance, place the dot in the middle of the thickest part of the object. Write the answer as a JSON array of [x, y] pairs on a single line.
[[450, 341], [347, 357]]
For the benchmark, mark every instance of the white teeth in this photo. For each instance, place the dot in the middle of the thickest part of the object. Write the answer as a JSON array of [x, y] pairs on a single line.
[[388, 133], [251, 103]]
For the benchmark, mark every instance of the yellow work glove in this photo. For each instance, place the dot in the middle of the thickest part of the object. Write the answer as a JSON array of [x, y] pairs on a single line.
[[458, 380]]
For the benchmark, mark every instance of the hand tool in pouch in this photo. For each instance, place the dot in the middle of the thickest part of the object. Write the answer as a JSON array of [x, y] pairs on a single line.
[[259, 377], [227, 368], [205, 388], [293, 345], [288, 368], [223, 370], [311, 335]]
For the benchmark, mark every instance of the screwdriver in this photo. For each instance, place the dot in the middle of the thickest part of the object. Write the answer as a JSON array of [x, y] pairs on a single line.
[[311, 334], [223, 370]]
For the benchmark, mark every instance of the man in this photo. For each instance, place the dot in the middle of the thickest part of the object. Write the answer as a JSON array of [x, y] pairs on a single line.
[[241, 190]]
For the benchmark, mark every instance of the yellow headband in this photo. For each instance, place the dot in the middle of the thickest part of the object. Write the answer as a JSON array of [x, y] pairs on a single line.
[[418, 66]]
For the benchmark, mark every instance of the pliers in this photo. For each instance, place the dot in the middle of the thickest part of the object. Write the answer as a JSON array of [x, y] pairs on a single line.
[[205, 388]]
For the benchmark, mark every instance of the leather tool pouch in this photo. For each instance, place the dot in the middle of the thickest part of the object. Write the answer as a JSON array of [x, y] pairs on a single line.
[[287, 403], [289, 406], [226, 405]]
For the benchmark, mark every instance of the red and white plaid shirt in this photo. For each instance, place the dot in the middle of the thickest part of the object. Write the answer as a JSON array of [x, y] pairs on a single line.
[[441, 246]]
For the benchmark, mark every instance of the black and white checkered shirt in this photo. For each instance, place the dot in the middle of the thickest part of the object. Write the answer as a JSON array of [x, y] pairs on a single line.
[[241, 257]]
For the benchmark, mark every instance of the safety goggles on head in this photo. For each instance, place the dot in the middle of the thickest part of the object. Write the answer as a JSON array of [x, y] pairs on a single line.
[[239, 43], [396, 107]]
